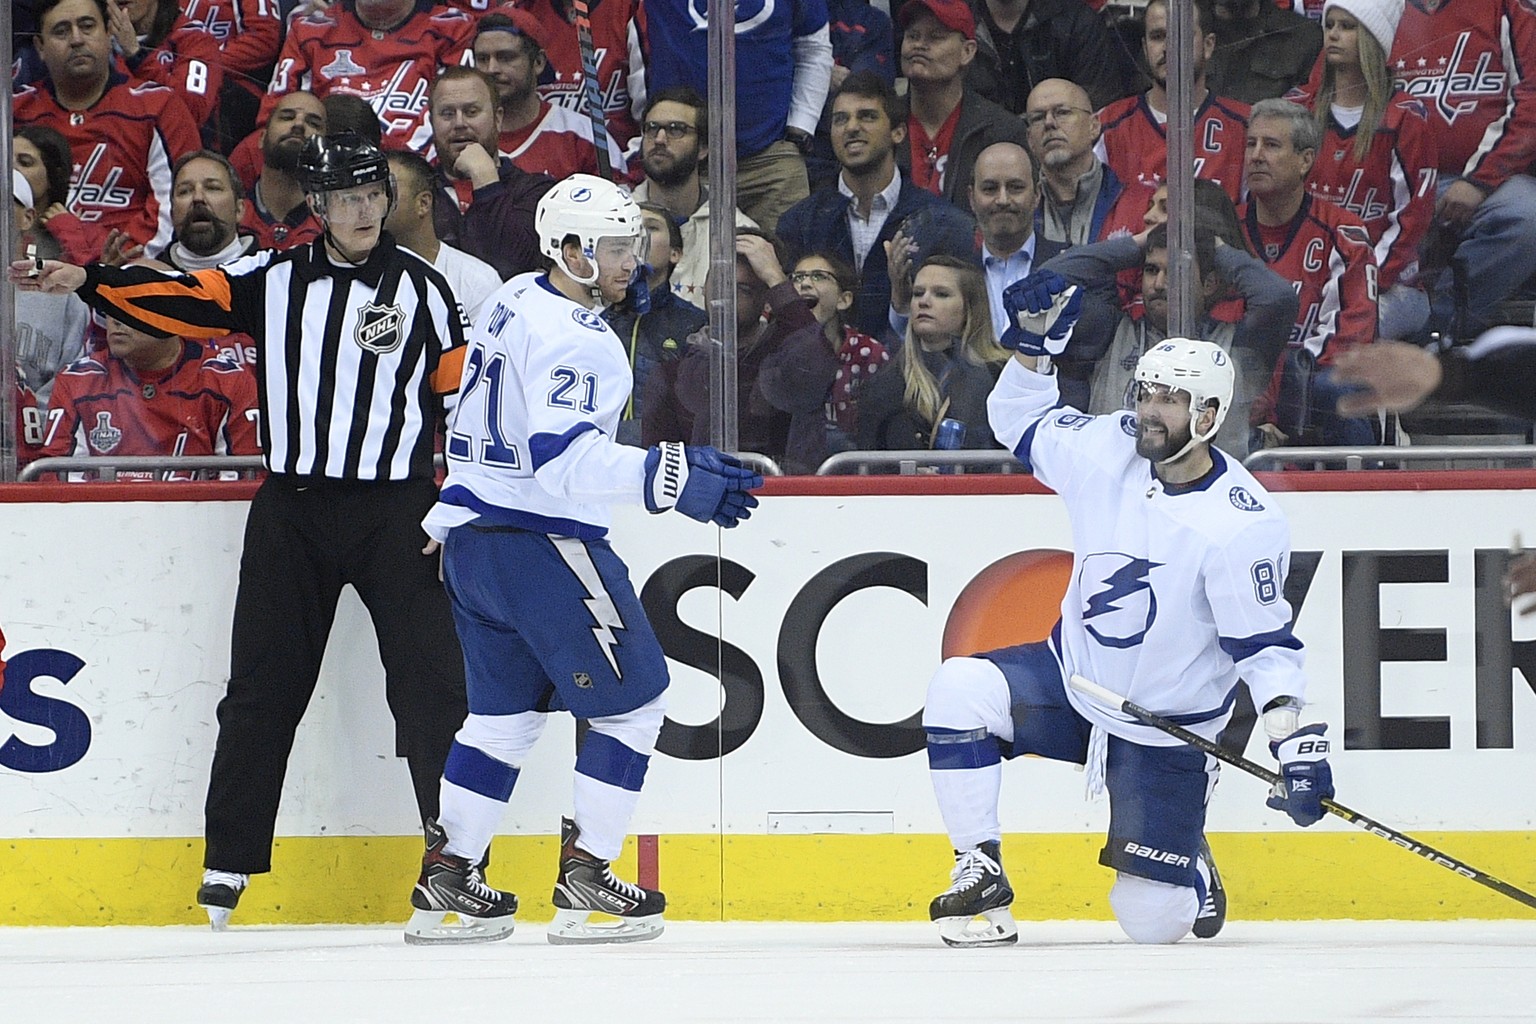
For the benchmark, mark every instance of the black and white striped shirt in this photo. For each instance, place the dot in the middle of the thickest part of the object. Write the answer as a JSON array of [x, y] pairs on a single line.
[[355, 363]]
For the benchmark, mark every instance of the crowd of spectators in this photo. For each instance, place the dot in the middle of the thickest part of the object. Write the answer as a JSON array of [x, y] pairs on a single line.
[[1363, 172]]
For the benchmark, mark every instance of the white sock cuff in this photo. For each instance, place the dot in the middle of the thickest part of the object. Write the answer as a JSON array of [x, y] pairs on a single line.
[[969, 693], [507, 738]]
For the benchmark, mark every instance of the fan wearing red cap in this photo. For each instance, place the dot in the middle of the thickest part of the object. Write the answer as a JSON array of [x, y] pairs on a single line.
[[948, 123]]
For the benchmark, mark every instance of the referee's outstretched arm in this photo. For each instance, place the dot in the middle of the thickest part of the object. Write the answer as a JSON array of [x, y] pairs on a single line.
[[203, 304]]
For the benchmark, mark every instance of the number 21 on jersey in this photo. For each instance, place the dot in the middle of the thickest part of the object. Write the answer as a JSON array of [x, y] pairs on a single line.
[[495, 449]]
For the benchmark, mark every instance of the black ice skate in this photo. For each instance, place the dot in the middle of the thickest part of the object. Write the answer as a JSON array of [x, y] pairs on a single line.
[[220, 894], [587, 886], [980, 890], [452, 885], [1213, 912]]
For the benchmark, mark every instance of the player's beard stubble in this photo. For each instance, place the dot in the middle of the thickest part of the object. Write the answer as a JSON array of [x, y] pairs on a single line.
[[1155, 441]]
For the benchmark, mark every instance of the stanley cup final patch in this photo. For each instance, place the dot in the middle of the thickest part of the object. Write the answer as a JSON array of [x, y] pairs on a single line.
[[378, 328]]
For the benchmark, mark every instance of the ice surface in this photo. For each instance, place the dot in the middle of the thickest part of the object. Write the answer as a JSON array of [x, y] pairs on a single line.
[[893, 973]]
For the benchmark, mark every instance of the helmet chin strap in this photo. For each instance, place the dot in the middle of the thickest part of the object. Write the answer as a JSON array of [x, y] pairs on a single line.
[[1194, 439]]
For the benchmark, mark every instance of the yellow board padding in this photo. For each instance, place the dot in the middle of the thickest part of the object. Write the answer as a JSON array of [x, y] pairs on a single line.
[[1291, 875]]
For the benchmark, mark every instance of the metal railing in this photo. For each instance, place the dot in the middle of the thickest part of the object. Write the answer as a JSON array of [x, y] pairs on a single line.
[[864, 463], [911, 463], [1393, 456]]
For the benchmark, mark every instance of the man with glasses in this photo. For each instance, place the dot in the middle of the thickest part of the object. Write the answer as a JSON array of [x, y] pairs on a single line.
[[674, 141], [1134, 142], [1078, 191], [949, 123]]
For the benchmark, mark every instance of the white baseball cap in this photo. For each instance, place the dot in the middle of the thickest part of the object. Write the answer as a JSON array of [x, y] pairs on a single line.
[[21, 189]]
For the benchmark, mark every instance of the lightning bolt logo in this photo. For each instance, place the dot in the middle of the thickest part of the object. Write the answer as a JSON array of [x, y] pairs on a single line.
[[605, 616], [1127, 580]]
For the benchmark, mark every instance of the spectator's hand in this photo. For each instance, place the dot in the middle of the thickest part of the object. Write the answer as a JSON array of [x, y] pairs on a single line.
[[898, 259], [759, 254], [1520, 580], [51, 277], [119, 248], [1271, 436], [477, 165], [1391, 375], [308, 7], [53, 211], [839, 73], [1457, 205], [121, 27]]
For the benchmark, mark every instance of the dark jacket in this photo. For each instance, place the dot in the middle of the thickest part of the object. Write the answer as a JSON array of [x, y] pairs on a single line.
[[887, 424], [981, 123], [653, 338], [1056, 39], [782, 382], [820, 222], [498, 226], [1277, 56]]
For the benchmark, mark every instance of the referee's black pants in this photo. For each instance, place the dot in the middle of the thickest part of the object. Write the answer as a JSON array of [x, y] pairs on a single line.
[[304, 539]]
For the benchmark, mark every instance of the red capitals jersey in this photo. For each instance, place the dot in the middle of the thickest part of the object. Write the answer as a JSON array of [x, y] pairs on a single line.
[[249, 33], [1468, 61], [200, 406], [301, 227], [123, 148], [188, 61], [1134, 143], [332, 51], [558, 143], [29, 427], [1392, 190], [1326, 254], [616, 45]]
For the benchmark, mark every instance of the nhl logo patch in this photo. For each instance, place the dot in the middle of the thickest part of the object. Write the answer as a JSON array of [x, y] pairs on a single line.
[[104, 437], [378, 328], [582, 680]]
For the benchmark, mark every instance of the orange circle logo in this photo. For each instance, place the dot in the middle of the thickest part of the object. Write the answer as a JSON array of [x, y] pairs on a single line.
[[1015, 600]]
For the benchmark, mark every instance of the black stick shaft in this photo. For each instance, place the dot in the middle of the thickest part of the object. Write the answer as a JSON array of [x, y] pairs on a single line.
[[591, 87], [1333, 807]]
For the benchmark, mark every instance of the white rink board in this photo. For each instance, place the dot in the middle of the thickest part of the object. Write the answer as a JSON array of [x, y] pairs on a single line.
[[142, 593]]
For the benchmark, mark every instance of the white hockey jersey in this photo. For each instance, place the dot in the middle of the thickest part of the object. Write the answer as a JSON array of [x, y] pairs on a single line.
[[1175, 593], [531, 446]]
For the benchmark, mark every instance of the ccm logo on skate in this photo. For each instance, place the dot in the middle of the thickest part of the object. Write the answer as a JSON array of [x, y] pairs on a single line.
[[1161, 856], [71, 727]]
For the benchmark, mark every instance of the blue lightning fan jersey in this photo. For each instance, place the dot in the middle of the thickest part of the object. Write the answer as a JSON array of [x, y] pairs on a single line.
[[545, 382], [1175, 592]]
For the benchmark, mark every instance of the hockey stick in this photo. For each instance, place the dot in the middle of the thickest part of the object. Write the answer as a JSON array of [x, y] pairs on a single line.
[[1391, 835], [591, 88]]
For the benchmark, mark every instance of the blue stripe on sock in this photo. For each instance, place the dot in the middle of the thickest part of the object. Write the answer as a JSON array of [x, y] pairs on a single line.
[[962, 748], [607, 760], [479, 772]]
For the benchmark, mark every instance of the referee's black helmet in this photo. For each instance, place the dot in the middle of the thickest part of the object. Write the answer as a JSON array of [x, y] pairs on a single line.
[[328, 163]]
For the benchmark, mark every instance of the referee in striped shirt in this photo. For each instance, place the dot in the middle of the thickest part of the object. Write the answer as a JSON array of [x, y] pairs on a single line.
[[360, 344]]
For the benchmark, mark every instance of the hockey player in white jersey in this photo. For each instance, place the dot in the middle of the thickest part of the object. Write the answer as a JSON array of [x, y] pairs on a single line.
[[546, 614], [1177, 589]]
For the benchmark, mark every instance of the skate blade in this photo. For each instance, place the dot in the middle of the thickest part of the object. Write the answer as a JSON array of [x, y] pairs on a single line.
[[991, 928], [572, 928], [218, 918], [429, 928]]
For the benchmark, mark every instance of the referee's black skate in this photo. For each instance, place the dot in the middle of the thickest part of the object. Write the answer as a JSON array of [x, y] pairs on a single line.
[[980, 889], [220, 894], [452, 885], [587, 886], [1213, 911]]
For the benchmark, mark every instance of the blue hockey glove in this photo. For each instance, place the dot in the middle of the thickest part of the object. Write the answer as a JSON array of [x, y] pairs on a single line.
[[1306, 780], [1042, 310], [699, 482]]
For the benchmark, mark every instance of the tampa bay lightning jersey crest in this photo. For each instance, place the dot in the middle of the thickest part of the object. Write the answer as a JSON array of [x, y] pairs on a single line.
[[1119, 603], [1176, 592]]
